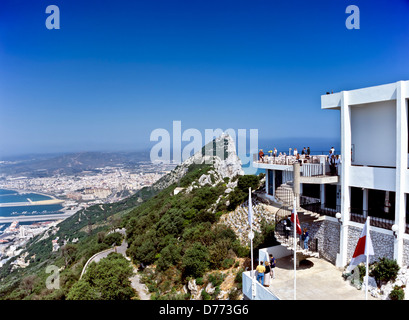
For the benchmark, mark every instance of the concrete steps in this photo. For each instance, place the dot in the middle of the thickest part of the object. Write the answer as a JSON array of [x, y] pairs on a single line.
[[300, 252]]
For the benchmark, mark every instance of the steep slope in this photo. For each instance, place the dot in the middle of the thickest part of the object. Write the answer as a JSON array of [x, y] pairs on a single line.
[[175, 232]]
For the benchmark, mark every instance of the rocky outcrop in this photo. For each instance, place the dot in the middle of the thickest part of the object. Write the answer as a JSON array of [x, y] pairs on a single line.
[[220, 153]]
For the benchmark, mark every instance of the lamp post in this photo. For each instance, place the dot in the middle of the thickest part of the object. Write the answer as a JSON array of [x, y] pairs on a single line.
[[338, 216], [395, 229]]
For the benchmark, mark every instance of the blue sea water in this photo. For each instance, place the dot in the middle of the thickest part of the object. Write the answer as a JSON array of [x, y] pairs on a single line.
[[7, 196]]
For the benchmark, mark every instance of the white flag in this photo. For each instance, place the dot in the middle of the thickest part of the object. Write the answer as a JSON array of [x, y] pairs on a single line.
[[250, 215], [363, 248]]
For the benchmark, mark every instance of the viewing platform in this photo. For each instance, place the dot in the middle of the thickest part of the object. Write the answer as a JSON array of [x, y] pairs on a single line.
[[314, 169]]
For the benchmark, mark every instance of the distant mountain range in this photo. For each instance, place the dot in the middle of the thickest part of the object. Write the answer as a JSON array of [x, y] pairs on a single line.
[[70, 163]]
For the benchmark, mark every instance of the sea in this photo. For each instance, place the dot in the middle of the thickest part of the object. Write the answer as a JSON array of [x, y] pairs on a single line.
[[7, 196]]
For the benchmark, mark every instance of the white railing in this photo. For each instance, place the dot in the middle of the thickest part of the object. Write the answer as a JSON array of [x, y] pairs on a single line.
[[261, 293], [312, 169]]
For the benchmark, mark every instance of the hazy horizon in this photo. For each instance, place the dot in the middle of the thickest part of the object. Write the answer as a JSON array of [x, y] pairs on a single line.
[[115, 72]]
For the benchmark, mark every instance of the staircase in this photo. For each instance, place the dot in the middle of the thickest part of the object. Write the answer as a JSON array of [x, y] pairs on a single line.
[[284, 193], [289, 244]]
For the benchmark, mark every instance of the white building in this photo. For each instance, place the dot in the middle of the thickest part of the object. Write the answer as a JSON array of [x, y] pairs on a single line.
[[374, 142], [372, 177]]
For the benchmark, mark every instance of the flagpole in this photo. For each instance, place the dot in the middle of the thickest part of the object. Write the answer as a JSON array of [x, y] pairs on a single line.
[[295, 248], [251, 236], [367, 258]]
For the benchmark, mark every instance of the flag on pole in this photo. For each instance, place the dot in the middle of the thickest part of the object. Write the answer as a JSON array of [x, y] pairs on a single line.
[[250, 214], [363, 248], [298, 221]]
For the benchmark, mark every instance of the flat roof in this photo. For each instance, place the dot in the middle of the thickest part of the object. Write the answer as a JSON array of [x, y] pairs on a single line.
[[379, 93]]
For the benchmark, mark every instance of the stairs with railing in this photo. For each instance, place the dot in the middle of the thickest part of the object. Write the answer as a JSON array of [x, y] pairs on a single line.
[[286, 238], [284, 193]]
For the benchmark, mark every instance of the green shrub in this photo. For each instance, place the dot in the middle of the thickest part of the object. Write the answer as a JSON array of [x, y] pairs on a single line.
[[385, 270], [227, 263], [216, 278], [195, 261], [114, 238], [205, 295], [397, 293], [234, 294], [199, 281]]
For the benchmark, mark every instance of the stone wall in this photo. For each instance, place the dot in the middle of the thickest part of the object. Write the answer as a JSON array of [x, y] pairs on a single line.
[[327, 232], [405, 252], [382, 243]]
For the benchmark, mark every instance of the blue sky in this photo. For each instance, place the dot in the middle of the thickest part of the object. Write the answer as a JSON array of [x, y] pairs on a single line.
[[117, 70]]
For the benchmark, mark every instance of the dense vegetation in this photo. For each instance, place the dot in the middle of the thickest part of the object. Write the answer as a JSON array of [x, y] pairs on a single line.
[[105, 280], [177, 236]]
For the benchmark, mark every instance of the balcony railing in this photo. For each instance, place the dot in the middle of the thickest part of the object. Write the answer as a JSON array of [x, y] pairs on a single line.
[[310, 166], [379, 222], [317, 207]]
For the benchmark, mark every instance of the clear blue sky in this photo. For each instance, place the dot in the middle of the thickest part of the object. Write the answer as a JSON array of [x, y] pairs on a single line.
[[116, 70]]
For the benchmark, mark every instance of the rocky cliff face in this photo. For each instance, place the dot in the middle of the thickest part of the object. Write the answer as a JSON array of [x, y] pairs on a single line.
[[220, 153]]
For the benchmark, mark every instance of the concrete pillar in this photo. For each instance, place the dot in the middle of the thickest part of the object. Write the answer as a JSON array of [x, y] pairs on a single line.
[[296, 182], [365, 202], [401, 167], [322, 195], [342, 258], [267, 181]]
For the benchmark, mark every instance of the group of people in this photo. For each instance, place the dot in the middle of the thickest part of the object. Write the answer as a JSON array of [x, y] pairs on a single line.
[[261, 154], [265, 271], [305, 151], [334, 162], [304, 236]]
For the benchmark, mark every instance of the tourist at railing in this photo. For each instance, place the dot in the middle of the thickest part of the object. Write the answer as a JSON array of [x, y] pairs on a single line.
[[273, 262], [261, 155], [260, 273], [305, 237], [287, 227], [337, 164], [332, 165], [267, 275]]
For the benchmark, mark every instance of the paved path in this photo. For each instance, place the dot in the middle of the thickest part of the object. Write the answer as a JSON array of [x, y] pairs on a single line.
[[135, 279], [317, 279]]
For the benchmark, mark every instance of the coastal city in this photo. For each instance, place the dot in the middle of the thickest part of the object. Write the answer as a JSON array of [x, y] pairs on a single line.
[[103, 185], [74, 192]]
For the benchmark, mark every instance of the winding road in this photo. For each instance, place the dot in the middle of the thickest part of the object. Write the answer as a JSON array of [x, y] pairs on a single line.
[[139, 287]]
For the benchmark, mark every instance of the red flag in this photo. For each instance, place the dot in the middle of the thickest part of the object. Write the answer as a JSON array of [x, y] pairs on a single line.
[[298, 221], [363, 248]]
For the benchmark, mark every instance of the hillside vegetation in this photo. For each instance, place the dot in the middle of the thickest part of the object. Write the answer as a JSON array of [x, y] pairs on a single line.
[[173, 238]]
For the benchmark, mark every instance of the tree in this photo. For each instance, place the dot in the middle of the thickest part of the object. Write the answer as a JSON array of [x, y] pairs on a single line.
[[68, 252], [248, 181], [114, 238], [106, 280], [27, 284], [195, 261], [169, 256]]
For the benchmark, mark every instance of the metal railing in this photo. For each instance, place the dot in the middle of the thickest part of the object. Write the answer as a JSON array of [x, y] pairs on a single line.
[[285, 159], [319, 208], [379, 222], [287, 237], [260, 292], [309, 165]]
